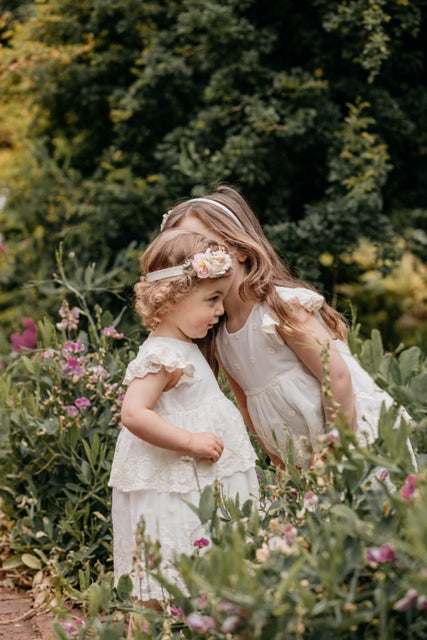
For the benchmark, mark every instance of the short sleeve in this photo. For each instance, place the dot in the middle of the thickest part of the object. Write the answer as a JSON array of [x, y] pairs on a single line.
[[310, 300], [152, 358]]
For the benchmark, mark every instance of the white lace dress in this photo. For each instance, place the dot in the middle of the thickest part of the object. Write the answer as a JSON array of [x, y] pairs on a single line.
[[283, 397], [154, 482]]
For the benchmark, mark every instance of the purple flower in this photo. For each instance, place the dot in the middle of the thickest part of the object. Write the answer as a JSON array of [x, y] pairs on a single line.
[[199, 623], [99, 373], [74, 367], [71, 628], [82, 402], [408, 489], [202, 542], [28, 338], [71, 411], [376, 555]]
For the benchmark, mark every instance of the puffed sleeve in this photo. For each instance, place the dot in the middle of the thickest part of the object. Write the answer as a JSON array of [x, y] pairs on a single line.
[[310, 300], [152, 357]]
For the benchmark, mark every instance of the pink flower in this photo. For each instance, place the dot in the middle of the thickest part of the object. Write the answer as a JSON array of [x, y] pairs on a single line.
[[74, 367], [311, 501], [377, 555], [290, 533], [199, 623], [112, 333], [71, 411], [70, 317], [72, 347], [202, 542], [230, 624], [333, 435], [405, 602], [408, 489], [200, 265], [28, 338], [225, 606], [202, 601], [71, 628], [99, 373], [211, 264], [82, 402], [177, 612]]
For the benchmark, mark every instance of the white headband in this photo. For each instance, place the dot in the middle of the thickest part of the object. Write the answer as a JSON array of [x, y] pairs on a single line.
[[210, 264], [222, 207]]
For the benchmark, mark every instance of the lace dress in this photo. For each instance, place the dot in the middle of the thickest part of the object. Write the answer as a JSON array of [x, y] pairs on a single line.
[[154, 482], [284, 399]]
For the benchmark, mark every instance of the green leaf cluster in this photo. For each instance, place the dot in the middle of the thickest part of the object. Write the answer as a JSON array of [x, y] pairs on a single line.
[[316, 111], [60, 408]]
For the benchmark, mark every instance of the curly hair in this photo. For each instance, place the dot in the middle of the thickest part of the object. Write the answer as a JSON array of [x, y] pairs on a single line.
[[264, 268], [153, 300]]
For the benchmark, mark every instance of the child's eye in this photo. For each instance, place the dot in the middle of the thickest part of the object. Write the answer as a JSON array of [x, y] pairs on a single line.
[[214, 299]]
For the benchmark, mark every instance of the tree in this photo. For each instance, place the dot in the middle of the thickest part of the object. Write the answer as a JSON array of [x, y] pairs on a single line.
[[315, 111]]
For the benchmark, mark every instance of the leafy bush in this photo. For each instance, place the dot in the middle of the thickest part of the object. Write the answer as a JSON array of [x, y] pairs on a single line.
[[60, 416], [337, 551], [334, 551]]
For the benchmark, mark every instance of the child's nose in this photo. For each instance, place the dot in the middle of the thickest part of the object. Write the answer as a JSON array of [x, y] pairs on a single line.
[[219, 309]]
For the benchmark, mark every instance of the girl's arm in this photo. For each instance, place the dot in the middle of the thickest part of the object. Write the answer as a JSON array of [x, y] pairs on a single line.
[[241, 401], [309, 347], [139, 417]]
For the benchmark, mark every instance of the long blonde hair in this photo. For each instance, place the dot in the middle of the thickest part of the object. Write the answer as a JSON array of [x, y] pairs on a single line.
[[265, 270]]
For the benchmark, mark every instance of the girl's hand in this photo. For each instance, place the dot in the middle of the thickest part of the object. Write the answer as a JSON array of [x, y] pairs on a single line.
[[206, 445]]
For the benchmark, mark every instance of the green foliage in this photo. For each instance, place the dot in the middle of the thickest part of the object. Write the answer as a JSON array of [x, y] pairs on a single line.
[[403, 374], [315, 110], [336, 550], [60, 408]]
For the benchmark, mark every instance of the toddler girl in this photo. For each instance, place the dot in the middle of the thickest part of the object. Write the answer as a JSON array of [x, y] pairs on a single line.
[[173, 408], [280, 344]]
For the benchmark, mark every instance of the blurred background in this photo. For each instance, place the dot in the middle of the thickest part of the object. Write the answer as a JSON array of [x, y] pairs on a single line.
[[113, 110]]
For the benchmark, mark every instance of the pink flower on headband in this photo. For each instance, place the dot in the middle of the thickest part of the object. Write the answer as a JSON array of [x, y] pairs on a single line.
[[211, 264]]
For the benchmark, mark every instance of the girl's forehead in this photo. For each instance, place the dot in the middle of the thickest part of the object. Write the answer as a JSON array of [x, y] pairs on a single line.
[[212, 285], [190, 223]]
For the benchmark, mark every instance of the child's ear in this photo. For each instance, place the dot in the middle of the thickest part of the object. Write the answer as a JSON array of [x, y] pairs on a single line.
[[241, 257]]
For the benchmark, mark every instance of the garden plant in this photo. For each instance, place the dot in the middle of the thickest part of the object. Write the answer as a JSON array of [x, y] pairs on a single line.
[[111, 111], [335, 550]]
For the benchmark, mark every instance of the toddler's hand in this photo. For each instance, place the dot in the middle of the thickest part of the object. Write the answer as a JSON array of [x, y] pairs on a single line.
[[206, 445]]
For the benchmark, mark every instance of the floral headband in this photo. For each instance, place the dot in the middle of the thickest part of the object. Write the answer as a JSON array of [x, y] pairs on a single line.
[[209, 201], [211, 264]]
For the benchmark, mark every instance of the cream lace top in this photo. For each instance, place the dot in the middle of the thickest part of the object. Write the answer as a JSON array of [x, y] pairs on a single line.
[[197, 404]]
